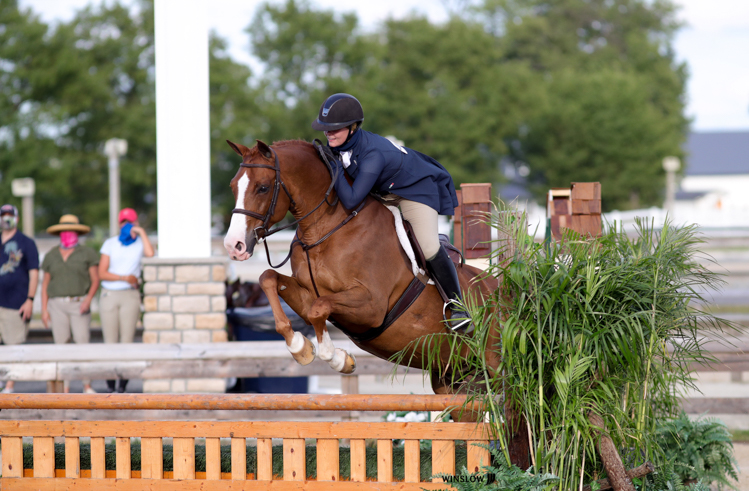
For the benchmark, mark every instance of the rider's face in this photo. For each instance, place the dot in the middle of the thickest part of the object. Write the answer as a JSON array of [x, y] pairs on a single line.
[[336, 138]]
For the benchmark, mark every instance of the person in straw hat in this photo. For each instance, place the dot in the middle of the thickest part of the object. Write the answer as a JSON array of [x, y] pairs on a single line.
[[71, 278]]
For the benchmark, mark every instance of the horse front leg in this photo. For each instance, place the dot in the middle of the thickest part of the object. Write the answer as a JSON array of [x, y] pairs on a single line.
[[358, 300], [275, 284]]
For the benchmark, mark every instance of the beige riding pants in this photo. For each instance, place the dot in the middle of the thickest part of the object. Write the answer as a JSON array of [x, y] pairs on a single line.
[[65, 317], [13, 330], [423, 219], [119, 311]]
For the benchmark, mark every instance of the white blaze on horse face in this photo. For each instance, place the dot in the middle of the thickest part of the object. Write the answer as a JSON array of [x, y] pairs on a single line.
[[238, 225]]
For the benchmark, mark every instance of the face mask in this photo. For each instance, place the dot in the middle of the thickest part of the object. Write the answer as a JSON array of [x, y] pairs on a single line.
[[68, 239], [8, 222], [125, 237]]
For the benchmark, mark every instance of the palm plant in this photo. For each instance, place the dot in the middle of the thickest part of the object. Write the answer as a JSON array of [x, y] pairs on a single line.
[[609, 325]]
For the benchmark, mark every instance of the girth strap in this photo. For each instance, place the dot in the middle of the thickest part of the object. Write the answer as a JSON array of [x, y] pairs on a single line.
[[405, 301]]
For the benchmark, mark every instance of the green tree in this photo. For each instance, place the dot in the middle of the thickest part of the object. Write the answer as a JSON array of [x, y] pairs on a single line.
[[88, 80], [614, 98]]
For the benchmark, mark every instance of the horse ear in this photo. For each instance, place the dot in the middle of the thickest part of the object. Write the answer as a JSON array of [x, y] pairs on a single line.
[[264, 149], [239, 148]]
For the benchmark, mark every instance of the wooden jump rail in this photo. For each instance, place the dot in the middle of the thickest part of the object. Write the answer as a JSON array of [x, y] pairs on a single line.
[[152, 476]]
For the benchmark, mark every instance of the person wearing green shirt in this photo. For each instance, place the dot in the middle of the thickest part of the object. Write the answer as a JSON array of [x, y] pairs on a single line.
[[71, 278]]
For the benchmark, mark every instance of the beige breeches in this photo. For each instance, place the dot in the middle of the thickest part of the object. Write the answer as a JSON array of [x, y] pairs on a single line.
[[423, 219]]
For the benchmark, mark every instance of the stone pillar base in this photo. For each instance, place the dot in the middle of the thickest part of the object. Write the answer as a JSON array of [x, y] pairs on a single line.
[[184, 302]]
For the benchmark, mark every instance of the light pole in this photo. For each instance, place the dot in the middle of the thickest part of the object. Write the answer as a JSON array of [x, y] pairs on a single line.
[[25, 188], [114, 148], [670, 165]]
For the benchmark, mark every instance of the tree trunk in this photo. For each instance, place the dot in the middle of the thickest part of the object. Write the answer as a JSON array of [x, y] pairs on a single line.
[[518, 445], [610, 456], [640, 471]]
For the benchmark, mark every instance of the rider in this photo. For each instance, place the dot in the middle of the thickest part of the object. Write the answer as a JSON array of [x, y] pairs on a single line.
[[403, 177]]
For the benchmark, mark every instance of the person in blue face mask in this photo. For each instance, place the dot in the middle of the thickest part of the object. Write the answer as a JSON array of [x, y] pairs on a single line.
[[416, 183], [119, 270]]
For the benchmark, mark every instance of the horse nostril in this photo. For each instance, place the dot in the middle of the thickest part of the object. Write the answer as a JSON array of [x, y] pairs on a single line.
[[239, 246]]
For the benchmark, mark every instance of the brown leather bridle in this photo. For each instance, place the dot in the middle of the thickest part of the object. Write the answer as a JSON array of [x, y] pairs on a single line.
[[263, 231]]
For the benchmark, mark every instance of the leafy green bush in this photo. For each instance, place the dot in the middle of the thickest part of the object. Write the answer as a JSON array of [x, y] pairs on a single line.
[[700, 450], [609, 325]]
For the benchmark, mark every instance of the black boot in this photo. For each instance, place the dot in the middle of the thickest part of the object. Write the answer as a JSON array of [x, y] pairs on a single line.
[[443, 271], [123, 385], [111, 384]]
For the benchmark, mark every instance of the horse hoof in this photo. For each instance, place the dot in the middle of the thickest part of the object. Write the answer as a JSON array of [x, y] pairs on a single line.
[[349, 365], [306, 354]]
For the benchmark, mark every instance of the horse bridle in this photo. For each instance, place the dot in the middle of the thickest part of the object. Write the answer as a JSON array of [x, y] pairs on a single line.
[[262, 232]]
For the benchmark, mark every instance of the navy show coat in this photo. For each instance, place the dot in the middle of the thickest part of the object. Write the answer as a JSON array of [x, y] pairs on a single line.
[[378, 165]]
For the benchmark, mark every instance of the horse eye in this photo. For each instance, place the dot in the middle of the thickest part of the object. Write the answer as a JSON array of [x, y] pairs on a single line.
[[262, 189]]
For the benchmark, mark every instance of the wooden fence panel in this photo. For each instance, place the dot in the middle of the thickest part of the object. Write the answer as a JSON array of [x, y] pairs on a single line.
[[72, 456], [294, 461], [358, 451], [384, 460], [122, 453], [12, 447], [213, 458], [327, 459], [238, 459], [44, 456], [264, 459], [443, 458], [412, 460], [98, 458], [152, 458], [184, 458], [477, 456]]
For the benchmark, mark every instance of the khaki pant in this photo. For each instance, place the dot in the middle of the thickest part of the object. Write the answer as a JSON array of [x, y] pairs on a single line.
[[423, 219], [66, 318], [119, 311], [13, 330]]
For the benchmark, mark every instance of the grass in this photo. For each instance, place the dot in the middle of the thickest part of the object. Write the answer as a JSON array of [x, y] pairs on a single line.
[[740, 436]]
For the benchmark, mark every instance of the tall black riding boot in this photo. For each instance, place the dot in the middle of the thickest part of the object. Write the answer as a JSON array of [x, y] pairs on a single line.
[[443, 271], [123, 385], [112, 384]]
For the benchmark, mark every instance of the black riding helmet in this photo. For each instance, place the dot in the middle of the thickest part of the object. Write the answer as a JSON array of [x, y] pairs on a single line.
[[338, 111]]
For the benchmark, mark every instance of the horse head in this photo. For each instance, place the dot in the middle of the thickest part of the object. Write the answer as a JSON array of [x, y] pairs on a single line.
[[258, 201]]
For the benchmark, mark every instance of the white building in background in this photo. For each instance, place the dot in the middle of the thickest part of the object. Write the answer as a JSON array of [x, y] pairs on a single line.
[[714, 188], [717, 173]]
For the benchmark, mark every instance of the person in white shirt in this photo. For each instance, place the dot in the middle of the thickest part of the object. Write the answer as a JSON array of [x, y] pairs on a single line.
[[119, 271]]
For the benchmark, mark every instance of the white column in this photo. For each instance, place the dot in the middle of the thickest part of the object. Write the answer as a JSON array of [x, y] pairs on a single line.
[[182, 129]]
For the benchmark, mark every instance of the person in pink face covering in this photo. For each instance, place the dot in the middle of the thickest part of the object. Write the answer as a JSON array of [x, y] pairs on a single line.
[[71, 278]]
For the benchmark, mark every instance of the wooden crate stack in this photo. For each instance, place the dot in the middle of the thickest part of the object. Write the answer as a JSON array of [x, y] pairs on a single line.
[[472, 235], [577, 207]]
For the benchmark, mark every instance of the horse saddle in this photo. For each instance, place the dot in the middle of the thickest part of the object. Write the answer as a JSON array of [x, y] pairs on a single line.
[[413, 290], [421, 262]]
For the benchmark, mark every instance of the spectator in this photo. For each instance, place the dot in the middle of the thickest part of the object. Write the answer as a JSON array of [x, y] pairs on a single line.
[[119, 270], [19, 276], [71, 279]]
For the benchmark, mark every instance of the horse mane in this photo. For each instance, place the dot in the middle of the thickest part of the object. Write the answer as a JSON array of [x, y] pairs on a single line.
[[286, 143]]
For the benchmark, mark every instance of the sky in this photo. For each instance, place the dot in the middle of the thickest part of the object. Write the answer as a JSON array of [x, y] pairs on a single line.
[[714, 43]]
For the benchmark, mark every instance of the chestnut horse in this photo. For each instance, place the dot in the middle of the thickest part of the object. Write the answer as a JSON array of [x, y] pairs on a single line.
[[359, 271], [353, 270]]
